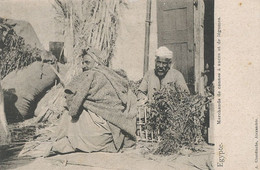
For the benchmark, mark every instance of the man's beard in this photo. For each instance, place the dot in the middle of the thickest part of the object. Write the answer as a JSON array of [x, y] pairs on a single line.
[[161, 73]]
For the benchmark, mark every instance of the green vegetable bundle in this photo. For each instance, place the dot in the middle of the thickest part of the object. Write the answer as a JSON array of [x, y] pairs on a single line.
[[178, 117]]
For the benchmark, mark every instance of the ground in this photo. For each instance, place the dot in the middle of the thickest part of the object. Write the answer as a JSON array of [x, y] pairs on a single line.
[[136, 158]]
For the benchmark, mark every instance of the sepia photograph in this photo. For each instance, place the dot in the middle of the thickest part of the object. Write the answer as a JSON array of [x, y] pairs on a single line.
[[112, 84]]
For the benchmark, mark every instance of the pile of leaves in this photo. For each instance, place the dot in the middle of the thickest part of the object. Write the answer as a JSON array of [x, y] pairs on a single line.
[[14, 53], [178, 117]]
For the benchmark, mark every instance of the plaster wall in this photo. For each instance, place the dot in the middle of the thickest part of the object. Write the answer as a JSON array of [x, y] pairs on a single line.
[[129, 52]]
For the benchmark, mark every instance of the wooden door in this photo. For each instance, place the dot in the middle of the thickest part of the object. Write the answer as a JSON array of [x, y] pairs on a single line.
[[175, 31], [199, 73], [175, 20]]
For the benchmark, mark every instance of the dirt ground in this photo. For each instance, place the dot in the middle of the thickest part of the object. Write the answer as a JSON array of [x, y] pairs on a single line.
[[137, 158]]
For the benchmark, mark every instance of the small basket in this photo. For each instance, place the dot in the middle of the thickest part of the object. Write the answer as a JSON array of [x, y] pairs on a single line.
[[144, 134]]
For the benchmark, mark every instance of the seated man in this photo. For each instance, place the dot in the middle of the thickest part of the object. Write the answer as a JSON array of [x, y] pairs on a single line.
[[162, 75], [101, 110]]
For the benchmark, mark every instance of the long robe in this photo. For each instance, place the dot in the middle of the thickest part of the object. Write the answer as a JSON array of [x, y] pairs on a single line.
[[102, 112]]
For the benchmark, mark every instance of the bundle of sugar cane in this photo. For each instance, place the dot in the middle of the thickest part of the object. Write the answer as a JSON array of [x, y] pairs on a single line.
[[95, 23]]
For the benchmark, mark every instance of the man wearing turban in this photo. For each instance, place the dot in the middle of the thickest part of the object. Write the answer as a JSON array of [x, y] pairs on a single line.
[[101, 110], [162, 75]]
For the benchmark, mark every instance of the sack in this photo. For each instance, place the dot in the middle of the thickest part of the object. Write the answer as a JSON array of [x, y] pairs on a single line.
[[25, 88], [4, 132]]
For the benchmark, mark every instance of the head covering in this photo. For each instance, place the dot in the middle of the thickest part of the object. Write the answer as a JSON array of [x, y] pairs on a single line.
[[95, 54], [164, 52]]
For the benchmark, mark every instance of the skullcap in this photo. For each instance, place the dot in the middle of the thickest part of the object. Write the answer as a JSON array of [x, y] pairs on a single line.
[[164, 52]]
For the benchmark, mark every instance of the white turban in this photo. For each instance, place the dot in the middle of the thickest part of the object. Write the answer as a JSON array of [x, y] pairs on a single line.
[[164, 52]]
